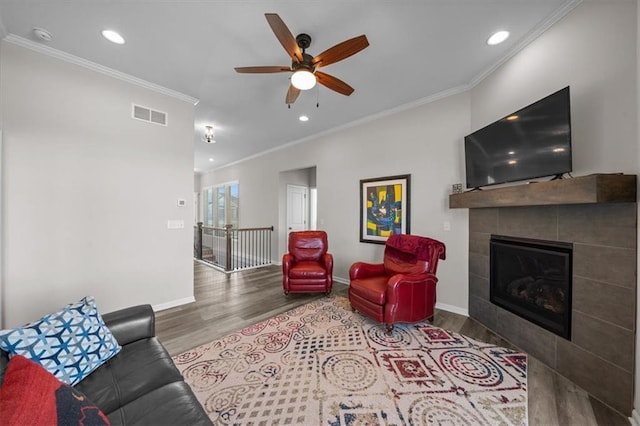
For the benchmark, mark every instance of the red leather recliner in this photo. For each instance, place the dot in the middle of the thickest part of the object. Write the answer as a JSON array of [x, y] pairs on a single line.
[[307, 268], [403, 288]]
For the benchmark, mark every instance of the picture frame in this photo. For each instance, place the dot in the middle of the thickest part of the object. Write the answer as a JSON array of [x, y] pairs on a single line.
[[384, 208]]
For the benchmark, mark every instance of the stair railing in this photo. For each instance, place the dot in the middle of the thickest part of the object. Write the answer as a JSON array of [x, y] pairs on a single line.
[[232, 249]]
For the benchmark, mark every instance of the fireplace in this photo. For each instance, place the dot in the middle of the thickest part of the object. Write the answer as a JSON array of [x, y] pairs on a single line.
[[533, 279]]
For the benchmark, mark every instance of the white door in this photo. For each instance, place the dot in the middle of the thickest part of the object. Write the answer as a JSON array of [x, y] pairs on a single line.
[[296, 208]]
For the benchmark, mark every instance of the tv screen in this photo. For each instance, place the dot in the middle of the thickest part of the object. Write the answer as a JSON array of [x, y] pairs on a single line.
[[530, 143]]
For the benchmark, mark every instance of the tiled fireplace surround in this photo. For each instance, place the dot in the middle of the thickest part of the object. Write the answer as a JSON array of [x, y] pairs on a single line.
[[600, 356]]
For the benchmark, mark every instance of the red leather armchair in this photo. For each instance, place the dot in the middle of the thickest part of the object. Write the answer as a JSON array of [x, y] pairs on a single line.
[[307, 268], [403, 287]]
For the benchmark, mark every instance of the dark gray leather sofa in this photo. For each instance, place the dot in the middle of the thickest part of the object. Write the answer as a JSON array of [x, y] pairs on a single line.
[[140, 385]]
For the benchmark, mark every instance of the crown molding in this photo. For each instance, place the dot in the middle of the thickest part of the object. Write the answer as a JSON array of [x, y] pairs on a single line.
[[373, 117], [67, 57]]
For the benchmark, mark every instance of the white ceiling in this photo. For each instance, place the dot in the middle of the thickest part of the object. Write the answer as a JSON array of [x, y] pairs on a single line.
[[419, 49]]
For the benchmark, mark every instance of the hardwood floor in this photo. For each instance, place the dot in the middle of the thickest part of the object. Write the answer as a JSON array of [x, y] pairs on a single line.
[[226, 303]]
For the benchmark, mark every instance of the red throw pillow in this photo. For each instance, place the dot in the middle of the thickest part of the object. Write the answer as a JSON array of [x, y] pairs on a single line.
[[31, 395]]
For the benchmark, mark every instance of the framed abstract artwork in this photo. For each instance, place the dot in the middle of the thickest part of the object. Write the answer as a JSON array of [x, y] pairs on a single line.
[[384, 208]]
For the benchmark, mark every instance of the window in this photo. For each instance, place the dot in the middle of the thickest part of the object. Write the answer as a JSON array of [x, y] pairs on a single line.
[[221, 205]]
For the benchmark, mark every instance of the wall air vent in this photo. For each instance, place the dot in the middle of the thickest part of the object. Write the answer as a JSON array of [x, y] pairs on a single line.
[[150, 115]]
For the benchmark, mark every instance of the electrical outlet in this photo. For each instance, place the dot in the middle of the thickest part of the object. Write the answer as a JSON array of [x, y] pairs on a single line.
[[447, 226]]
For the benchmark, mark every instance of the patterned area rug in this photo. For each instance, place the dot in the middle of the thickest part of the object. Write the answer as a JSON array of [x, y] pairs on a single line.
[[321, 364]]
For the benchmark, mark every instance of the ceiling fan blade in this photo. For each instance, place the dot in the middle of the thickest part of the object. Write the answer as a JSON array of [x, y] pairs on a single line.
[[341, 51], [284, 36], [262, 70], [333, 83], [292, 94]]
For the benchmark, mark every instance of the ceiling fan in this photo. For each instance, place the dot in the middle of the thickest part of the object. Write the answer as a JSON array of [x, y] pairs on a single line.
[[304, 66]]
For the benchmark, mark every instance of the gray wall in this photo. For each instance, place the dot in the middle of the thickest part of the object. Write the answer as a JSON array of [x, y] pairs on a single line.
[[423, 141], [106, 194], [88, 190], [592, 49]]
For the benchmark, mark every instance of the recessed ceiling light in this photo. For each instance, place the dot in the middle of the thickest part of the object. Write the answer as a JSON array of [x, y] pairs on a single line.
[[303, 118], [211, 159], [113, 36], [498, 37]]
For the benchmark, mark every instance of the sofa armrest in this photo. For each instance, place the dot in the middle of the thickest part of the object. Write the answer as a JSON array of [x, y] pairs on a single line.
[[287, 262], [327, 261], [361, 270], [131, 324], [399, 280]]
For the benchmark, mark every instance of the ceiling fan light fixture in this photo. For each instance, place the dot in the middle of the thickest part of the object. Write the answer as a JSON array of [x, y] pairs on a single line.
[[303, 79]]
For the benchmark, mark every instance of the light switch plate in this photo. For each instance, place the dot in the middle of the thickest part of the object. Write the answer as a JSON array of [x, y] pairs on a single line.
[[175, 224]]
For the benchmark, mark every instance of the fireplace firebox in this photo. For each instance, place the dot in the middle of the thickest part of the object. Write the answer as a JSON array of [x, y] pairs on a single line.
[[533, 279]]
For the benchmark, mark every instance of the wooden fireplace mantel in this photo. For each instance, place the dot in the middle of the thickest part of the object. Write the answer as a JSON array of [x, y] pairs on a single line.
[[596, 188]]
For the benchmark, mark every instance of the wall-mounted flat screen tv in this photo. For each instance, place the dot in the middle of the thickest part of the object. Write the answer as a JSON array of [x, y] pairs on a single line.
[[530, 143]]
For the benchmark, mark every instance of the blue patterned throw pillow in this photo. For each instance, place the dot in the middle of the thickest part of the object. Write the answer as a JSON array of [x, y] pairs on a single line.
[[70, 343]]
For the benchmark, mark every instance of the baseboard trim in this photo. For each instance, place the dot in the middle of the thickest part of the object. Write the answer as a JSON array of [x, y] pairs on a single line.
[[340, 280], [635, 418], [452, 309], [173, 304]]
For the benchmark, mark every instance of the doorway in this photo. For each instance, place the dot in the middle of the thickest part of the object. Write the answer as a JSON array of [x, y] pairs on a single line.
[[297, 203], [297, 208]]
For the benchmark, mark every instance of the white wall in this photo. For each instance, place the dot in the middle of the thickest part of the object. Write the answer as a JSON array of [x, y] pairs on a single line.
[[197, 199], [593, 50], [88, 190], [425, 141]]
